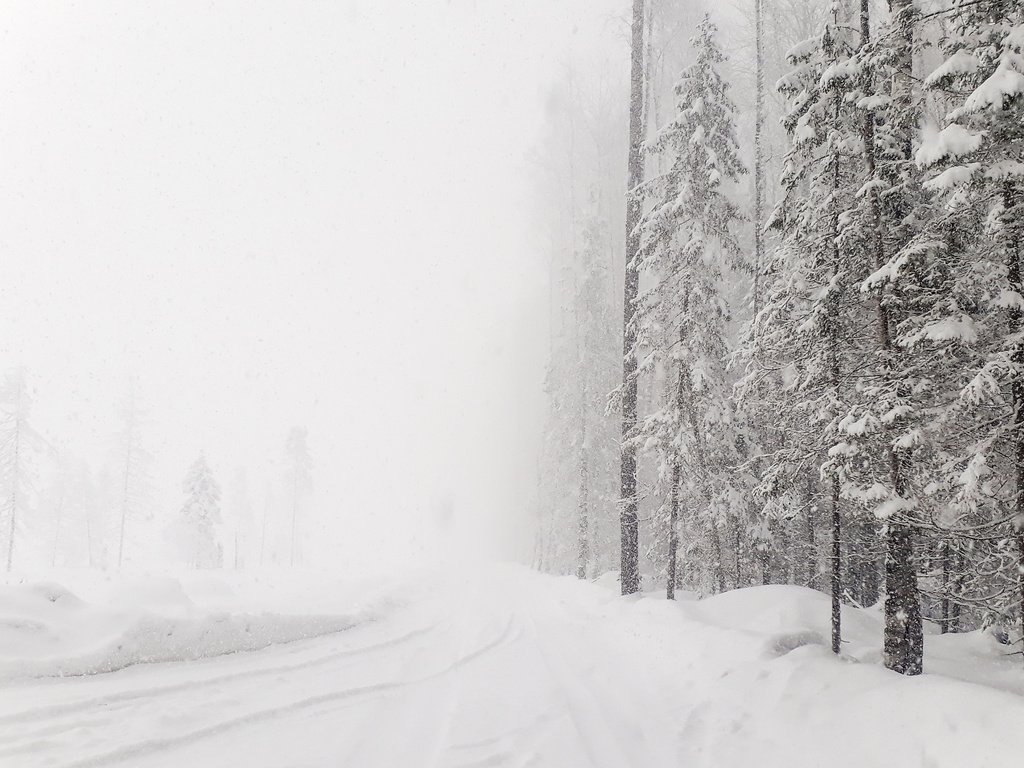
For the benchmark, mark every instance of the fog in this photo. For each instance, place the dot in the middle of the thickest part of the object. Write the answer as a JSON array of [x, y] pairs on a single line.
[[255, 216]]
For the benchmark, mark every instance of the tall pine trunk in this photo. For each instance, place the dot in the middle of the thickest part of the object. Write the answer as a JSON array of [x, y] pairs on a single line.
[[716, 556], [811, 553], [673, 499], [903, 647], [758, 151], [1012, 226], [944, 554], [630, 528], [835, 374], [672, 570], [583, 512]]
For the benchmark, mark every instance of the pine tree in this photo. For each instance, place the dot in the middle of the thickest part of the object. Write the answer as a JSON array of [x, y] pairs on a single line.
[[802, 349], [884, 426], [686, 238], [199, 521], [975, 166], [580, 447], [629, 569], [21, 449]]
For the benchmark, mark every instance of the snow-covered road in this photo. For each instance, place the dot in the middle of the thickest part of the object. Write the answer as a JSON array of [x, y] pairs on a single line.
[[492, 673], [511, 669]]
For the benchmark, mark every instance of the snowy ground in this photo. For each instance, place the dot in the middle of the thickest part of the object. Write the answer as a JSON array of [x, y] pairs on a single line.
[[504, 668]]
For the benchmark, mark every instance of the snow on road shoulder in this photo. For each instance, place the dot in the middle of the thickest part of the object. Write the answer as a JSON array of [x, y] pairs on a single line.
[[46, 630], [758, 685]]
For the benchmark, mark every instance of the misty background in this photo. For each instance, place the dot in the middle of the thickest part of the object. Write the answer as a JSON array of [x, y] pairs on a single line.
[[265, 215], [351, 218]]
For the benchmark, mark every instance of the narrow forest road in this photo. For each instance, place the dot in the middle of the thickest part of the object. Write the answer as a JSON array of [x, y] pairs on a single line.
[[511, 669], [494, 673]]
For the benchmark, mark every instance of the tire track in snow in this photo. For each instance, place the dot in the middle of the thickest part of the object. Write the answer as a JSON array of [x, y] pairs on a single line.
[[82, 705], [150, 746]]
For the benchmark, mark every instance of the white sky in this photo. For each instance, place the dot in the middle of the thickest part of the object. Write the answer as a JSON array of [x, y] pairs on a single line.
[[286, 212]]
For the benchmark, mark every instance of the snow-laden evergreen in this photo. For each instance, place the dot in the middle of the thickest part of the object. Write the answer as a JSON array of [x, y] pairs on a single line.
[[197, 530], [686, 239]]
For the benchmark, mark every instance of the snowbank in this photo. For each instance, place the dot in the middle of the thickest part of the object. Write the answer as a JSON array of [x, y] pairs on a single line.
[[46, 630], [749, 679]]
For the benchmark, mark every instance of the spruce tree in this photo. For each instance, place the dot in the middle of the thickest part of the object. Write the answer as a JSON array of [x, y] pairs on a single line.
[[686, 238], [975, 168], [802, 350], [199, 521]]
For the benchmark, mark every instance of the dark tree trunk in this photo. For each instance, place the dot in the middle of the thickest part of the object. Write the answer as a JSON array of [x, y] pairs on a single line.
[[785, 560], [673, 502], [837, 586], [716, 554], [737, 552], [630, 529], [758, 151], [944, 623], [871, 583], [904, 636], [903, 646], [672, 571], [812, 547], [1011, 217], [835, 373], [957, 583], [765, 560]]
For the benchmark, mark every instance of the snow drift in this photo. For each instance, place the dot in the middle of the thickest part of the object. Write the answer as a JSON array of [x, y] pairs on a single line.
[[47, 630]]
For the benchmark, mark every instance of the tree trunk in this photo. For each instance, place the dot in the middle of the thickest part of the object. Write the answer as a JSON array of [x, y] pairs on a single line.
[[758, 152], [835, 373], [785, 559], [583, 521], [1016, 318], [812, 546], [957, 566], [673, 533], [716, 554], [904, 632], [630, 527], [764, 558], [737, 552], [837, 616], [673, 503], [944, 623]]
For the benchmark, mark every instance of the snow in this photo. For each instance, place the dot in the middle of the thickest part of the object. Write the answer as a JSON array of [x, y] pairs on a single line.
[[803, 49], [46, 630], [1006, 82], [501, 666], [961, 63], [956, 176], [951, 142], [960, 328]]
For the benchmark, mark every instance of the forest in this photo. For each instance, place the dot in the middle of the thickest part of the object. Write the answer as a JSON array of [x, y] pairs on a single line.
[[554, 384], [794, 354], [107, 511]]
